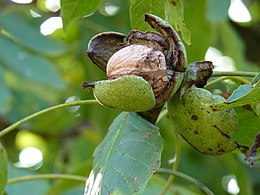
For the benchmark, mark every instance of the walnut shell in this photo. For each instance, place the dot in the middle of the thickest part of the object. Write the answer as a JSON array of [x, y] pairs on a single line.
[[139, 60]]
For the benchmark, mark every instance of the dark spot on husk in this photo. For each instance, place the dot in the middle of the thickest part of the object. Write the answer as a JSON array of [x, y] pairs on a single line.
[[219, 130], [194, 117], [247, 107], [196, 132], [174, 3]]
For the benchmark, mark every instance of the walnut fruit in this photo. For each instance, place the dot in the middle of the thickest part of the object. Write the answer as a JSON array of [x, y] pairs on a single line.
[[207, 130]]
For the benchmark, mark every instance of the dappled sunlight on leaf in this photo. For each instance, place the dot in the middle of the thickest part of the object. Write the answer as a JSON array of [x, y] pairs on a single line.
[[220, 62], [50, 25], [22, 1], [93, 183], [238, 12], [109, 9], [30, 157], [29, 36], [230, 184], [53, 5]]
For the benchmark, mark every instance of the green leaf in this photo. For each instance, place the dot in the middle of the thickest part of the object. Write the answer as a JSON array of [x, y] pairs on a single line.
[[139, 7], [27, 65], [248, 126], [200, 28], [30, 36], [245, 94], [72, 10], [241, 92], [5, 93], [175, 17], [215, 7], [256, 78], [127, 157], [3, 169]]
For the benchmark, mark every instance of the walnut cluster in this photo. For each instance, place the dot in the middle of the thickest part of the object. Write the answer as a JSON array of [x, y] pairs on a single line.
[[158, 57]]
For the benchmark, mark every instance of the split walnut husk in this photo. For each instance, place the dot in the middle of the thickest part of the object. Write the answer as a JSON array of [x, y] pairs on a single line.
[[157, 57]]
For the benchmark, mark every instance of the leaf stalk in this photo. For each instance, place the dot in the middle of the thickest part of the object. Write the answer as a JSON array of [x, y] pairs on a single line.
[[187, 178], [46, 176], [47, 110], [236, 78], [234, 73]]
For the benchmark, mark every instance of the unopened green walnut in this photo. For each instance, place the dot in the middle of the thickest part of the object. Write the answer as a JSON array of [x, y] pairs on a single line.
[[209, 131]]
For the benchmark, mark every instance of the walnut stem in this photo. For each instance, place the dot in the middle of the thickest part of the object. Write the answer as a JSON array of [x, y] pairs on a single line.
[[151, 115], [85, 85], [234, 73]]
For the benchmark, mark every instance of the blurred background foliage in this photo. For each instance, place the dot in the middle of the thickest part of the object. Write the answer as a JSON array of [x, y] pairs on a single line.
[[39, 69]]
